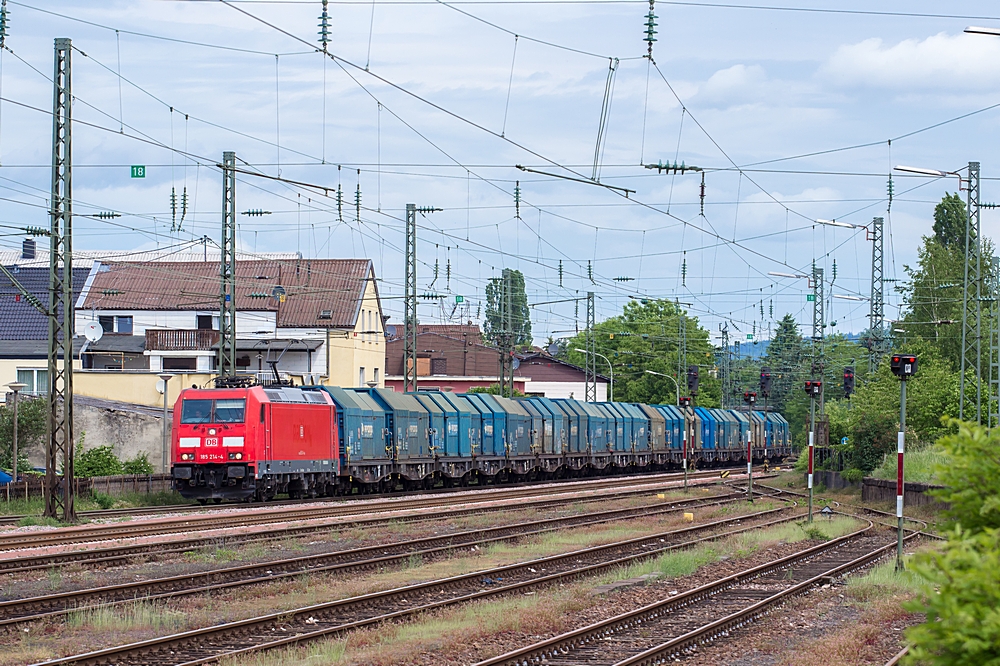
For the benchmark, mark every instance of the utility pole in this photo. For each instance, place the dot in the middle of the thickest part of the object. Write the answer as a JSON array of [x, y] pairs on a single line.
[[59, 489], [591, 361], [876, 315], [726, 365], [972, 302], [410, 298], [819, 325], [681, 341], [227, 269], [410, 303], [993, 408]]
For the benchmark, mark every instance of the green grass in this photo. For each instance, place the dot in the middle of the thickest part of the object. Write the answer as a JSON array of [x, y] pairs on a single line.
[[130, 616], [34, 521], [678, 563], [34, 506], [918, 467], [880, 582]]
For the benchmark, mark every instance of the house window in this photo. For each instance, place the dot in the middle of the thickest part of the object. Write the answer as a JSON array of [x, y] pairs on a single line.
[[375, 375], [180, 363], [361, 376], [107, 323], [125, 325], [36, 380], [205, 323], [439, 366]]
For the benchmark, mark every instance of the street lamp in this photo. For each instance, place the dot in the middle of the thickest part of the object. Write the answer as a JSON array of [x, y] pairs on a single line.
[[166, 452], [676, 387], [15, 387], [610, 367]]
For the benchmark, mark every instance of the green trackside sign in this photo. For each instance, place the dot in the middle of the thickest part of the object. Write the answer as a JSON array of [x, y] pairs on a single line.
[[810, 297], [138, 171]]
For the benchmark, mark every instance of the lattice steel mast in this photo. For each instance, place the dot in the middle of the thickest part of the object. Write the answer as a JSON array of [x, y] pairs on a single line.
[[227, 269], [972, 302], [59, 488], [993, 407], [591, 350], [410, 303], [877, 312], [819, 324]]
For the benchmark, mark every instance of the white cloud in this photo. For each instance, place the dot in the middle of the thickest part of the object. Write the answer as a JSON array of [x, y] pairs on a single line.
[[939, 61], [736, 82]]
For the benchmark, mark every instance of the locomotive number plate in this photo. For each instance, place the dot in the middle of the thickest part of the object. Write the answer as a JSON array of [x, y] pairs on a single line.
[[211, 441], [212, 456]]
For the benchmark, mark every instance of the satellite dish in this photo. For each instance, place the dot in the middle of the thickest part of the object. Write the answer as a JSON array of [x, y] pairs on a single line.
[[93, 331], [390, 331], [278, 294], [553, 349], [516, 364]]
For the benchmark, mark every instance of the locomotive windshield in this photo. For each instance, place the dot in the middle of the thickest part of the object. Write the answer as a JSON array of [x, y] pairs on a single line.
[[213, 411]]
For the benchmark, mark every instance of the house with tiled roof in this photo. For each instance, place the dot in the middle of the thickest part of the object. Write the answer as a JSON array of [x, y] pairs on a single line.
[[308, 320], [24, 330]]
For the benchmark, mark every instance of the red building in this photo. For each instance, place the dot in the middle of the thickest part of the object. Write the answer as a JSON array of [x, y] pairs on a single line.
[[453, 357]]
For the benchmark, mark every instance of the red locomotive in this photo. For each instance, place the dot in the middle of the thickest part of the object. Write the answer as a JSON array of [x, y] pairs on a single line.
[[253, 443]]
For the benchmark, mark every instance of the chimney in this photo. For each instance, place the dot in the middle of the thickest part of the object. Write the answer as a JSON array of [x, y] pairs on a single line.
[[28, 248]]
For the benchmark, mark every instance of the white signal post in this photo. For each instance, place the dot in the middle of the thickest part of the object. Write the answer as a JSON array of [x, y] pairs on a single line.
[[750, 464]]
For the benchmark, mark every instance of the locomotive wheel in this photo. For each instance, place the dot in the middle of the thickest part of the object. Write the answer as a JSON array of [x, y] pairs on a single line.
[[217, 500], [203, 502]]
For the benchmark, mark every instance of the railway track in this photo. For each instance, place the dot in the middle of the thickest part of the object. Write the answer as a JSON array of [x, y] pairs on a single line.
[[891, 517], [666, 630], [91, 534], [200, 509], [209, 644], [112, 554], [381, 556]]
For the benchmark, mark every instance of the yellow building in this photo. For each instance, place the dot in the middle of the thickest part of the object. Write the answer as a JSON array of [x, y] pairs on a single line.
[[306, 321]]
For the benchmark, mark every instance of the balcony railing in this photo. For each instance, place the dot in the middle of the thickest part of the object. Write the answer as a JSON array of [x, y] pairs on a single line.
[[181, 339]]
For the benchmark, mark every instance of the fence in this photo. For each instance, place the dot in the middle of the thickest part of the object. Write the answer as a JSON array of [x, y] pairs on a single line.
[[34, 486]]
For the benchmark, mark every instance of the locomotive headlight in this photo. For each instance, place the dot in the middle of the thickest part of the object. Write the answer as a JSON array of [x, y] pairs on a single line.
[[239, 456], [211, 431]]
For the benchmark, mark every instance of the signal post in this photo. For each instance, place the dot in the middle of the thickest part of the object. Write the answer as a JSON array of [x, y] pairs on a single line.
[[903, 366], [685, 402], [750, 398], [813, 389]]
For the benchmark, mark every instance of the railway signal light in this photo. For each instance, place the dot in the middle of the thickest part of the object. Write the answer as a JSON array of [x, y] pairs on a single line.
[[693, 379], [903, 365], [765, 382], [813, 387], [750, 398], [848, 381], [685, 401]]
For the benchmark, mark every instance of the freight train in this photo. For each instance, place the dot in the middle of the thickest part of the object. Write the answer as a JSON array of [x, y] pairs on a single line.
[[255, 442]]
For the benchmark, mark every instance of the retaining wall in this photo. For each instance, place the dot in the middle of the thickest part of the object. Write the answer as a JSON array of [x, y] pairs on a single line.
[[883, 490]]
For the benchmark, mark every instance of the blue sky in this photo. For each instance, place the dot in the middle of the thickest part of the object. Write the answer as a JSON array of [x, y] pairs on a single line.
[[424, 125]]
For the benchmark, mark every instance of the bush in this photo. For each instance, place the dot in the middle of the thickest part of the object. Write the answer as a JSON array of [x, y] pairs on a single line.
[[970, 472], [138, 465], [99, 461], [960, 593], [102, 500], [853, 475], [874, 436]]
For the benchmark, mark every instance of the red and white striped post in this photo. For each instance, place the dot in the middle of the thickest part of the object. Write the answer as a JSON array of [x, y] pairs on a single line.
[[900, 446], [903, 366]]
